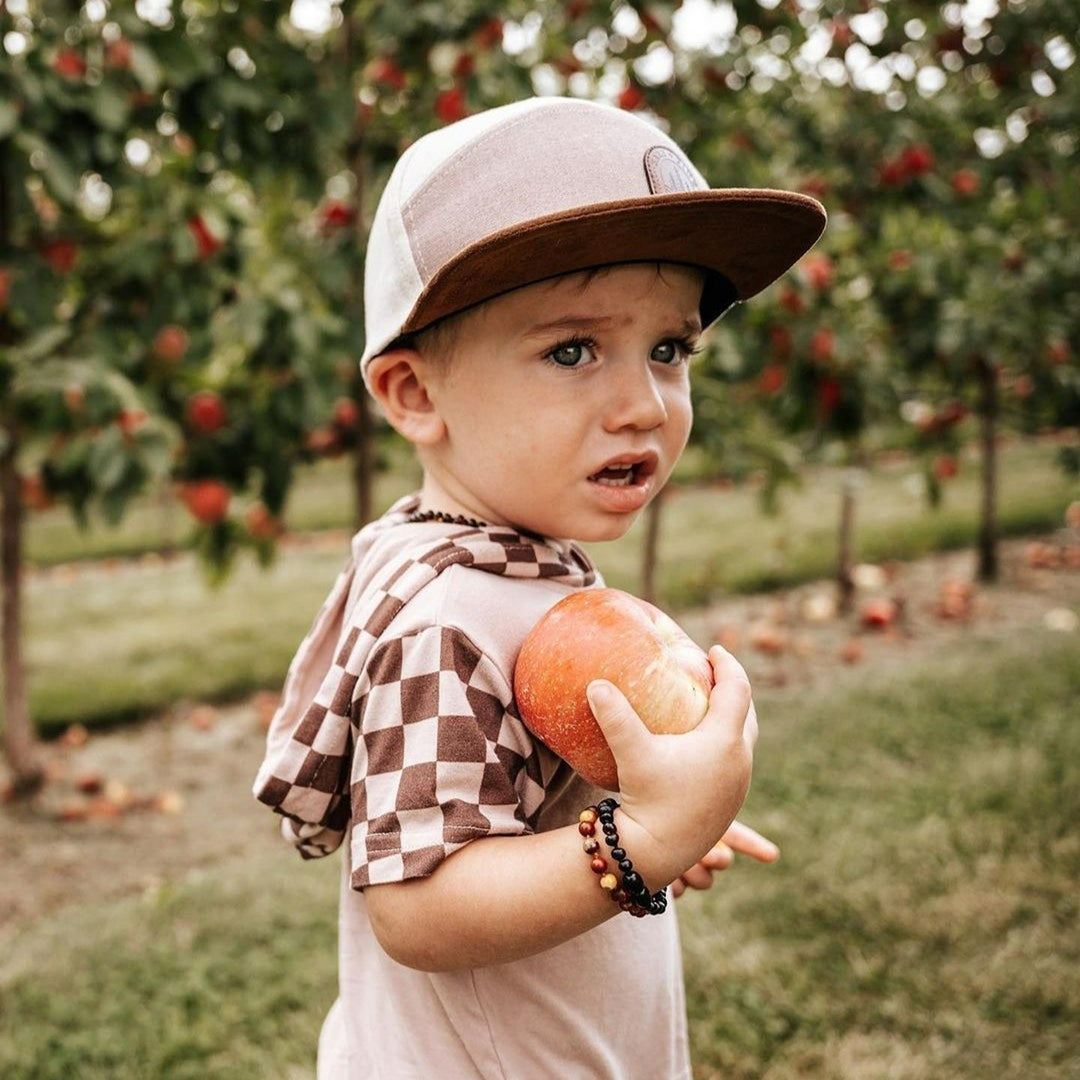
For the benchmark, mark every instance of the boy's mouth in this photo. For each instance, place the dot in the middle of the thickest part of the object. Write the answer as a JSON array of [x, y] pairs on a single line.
[[625, 472]]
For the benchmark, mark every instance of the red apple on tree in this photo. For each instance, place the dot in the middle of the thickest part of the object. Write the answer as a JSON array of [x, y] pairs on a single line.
[[450, 105], [631, 98], [346, 413], [205, 411], [170, 343], [607, 634], [207, 500]]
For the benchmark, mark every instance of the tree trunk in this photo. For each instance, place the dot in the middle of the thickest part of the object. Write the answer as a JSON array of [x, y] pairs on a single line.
[[989, 407], [363, 463], [651, 552], [20, 743], [19, 740], [845, 582]]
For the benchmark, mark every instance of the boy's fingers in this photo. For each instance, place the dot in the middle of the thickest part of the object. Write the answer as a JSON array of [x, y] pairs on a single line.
[[747, 841], [718, 857], [621, 726], [731, 699]]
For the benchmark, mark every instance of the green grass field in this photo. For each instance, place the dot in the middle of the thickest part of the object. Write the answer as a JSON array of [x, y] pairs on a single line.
[[105, 647], [922, 923]]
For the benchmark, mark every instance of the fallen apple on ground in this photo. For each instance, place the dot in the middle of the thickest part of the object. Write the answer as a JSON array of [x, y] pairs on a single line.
[[607, 634]]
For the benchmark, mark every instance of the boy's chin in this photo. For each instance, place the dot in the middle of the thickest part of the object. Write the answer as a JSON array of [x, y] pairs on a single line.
[[598, 532]]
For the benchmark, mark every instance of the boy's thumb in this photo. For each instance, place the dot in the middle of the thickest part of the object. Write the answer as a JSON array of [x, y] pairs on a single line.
[[615, 715]]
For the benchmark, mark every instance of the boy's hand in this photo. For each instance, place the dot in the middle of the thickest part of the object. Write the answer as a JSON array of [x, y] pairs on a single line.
[[739, 838], [679, 792]]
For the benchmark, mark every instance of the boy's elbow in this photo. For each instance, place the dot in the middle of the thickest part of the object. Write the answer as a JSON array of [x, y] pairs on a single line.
[[402, 930]]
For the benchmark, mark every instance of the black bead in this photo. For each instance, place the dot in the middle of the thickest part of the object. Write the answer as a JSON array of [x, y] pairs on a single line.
[[632, 882], [625, 865], [606, 806], [609, 828], [618, 854]]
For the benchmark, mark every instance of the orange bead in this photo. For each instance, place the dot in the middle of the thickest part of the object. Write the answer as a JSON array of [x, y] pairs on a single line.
[[586, 828], [598, 865]]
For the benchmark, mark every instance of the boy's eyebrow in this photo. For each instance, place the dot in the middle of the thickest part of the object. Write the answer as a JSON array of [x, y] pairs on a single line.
[[689, 327]]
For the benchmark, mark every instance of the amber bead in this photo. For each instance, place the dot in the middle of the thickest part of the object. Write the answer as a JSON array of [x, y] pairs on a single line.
[[608, 881], [588, 815]]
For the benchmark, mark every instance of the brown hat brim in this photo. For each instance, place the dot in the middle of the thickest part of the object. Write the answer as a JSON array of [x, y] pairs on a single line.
[[747, 236]]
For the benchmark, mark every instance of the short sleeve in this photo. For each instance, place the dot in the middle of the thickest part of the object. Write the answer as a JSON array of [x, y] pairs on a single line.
[[440, 757]]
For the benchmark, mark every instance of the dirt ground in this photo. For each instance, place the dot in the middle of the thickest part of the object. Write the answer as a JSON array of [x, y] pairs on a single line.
[[131, 810]]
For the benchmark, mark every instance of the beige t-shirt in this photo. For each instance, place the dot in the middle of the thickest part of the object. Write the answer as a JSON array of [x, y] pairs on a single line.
[[441, 758]]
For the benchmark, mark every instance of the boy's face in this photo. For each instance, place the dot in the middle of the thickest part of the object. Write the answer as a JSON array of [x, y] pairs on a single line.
[[566, 403]]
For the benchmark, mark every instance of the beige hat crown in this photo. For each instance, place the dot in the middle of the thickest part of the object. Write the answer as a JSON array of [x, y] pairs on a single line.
[[548, 186]]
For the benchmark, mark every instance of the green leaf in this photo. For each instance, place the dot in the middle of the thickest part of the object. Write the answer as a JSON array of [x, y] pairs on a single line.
[[44, 344], [110, 106], [145, 68], [108, 459]]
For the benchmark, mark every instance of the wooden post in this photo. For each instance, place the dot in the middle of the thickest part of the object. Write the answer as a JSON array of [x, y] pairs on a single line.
[[989, 407], [20, 742], [845, 582]]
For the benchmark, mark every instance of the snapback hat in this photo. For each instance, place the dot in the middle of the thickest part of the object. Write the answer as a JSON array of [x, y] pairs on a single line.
[[548, 186]]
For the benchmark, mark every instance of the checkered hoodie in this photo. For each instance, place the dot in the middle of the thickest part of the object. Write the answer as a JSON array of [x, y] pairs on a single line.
[[367, 722]]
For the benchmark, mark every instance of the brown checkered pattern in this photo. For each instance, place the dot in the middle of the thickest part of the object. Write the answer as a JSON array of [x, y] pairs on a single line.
[[416, 739]]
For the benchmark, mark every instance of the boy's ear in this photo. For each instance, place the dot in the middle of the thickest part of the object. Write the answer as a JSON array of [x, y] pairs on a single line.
[[398, 382]]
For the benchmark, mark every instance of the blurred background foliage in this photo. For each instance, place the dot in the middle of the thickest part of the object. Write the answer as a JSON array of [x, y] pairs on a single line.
[[186, 186]]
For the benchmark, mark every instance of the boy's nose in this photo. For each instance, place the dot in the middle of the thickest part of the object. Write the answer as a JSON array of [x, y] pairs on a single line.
[[636, 401]]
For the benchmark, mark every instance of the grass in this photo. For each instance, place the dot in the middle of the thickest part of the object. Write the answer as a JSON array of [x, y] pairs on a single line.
[[178, 985], [923, 922], [921, 925], [107, 647]]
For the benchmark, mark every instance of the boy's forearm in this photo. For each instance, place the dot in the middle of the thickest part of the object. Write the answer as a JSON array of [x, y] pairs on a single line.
[[498, 899]]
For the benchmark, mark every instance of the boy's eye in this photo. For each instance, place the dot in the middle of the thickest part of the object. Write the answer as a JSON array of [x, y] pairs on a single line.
[[671, 352], [570, 354]]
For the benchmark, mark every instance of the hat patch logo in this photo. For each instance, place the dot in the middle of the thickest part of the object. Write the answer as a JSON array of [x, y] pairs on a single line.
[[667, 173]]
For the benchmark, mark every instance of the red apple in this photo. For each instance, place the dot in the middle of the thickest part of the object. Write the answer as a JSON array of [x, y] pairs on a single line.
[[965, 182], [772, 379], [818, 271], [822, 344], [792, 301], [261, 524], [450, 105], [335, 214], [61, 255], [917, 159], [346, 413], [69, 64], [386, 71], [207, 500], [170, 343], [205, 411], [607, 634], [207, 242], [879, 613]]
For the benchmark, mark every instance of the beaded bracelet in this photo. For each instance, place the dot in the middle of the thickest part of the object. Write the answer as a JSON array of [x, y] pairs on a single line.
[[630, 892]]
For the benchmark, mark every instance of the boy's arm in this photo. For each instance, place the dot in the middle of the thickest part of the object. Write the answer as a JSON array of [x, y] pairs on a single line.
[[501, 898]]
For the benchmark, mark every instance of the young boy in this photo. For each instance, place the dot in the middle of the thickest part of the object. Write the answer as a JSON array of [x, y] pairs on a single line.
[[537, 278]]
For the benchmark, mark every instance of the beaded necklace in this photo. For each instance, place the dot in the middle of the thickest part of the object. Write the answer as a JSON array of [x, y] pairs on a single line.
[[420, 516]]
